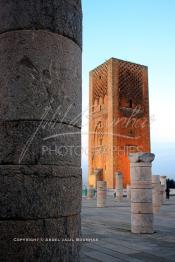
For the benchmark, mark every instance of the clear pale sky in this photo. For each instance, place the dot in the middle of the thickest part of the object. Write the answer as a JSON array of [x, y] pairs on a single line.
[[140, 31]]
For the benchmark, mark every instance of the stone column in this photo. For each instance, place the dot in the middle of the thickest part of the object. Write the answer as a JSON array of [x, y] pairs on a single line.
[[162, 194], [156, 194], [119, 186], [101, 193], [129, 192], [98, 175], [90, 192], [163, 182], [141, 192], [40, 98]]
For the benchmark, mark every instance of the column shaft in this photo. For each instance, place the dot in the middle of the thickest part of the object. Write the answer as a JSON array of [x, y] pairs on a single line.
[[119, 186], [101, 193], [156, 193], [129, 192], [90, 192], [40, 161], [141, 193], [163, 182]]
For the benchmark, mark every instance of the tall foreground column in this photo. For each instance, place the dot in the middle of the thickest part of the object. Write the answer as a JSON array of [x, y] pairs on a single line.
[[141, 192], [40, 98]]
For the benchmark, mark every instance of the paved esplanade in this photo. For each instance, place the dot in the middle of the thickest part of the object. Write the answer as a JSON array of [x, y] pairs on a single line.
[[40, 97], [112, 226]]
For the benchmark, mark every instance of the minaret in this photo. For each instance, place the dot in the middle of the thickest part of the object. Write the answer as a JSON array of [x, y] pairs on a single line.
[[119, 118]]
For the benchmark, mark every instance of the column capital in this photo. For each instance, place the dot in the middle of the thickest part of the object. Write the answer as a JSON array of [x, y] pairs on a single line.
[[98, 171], [141, 157], [118, 173]]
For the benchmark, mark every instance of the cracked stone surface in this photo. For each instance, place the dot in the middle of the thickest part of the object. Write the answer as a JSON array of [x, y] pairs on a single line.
[[41, 79], [61, 17], [40, 129], [37, 196], [34, 142], [43, 230]]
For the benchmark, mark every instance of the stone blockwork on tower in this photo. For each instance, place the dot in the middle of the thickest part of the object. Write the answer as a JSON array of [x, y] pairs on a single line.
[[119, 119]]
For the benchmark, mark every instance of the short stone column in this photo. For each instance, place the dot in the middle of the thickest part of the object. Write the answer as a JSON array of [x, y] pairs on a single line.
[[98, 172], [162, 194], [101, 193], [128, 192], [156, 194], [119, 186], [141, 193], [163, 182], [90, 194]]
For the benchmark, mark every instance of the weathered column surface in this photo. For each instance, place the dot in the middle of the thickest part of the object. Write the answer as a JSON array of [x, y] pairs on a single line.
[[119, 186], [163, 182], [90, 194], [156, 194], [40, 94], [128, 192], [101, 193], [141, 192]]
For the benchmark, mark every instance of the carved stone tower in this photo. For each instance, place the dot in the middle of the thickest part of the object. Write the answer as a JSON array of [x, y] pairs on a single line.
[[119, 119]]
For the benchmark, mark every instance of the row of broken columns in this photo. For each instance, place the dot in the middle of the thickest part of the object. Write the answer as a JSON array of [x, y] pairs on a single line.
[[146, 192]]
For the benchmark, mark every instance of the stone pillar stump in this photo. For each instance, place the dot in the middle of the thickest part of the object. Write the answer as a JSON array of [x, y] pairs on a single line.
[[90, 194], [162, 194], [156, 194], [119, 186], [128, 192], [141, 193], [163, 182], [101, 193]]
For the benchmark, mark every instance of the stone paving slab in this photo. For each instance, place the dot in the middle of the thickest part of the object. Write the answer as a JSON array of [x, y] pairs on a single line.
[[100, 256], [111, 226]]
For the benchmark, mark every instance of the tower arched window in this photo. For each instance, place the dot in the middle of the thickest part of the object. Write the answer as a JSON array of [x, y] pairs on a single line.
[[130, 103]]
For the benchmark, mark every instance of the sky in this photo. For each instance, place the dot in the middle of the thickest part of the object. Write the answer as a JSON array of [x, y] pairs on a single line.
[[140, 31]]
